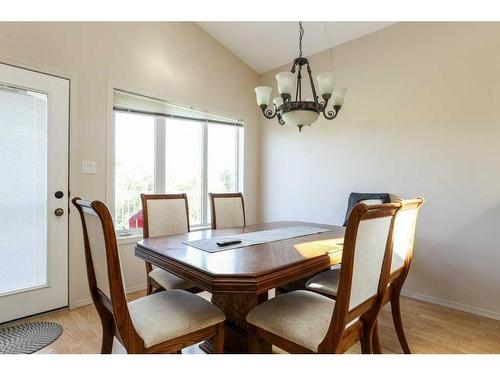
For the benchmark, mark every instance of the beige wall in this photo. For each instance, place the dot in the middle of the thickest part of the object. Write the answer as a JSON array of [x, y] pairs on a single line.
[[176, 61], [421, 118]]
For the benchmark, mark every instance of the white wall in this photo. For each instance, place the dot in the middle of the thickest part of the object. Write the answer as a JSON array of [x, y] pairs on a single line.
[[176, 61], [421, 118]]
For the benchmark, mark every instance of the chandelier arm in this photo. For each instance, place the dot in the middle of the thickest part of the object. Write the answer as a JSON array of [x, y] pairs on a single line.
[[331, 113], [280, 119], [269, 113]]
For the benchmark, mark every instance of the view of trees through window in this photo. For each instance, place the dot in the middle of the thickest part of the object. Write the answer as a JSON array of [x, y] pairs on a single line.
[[134, 165], [196, 157]]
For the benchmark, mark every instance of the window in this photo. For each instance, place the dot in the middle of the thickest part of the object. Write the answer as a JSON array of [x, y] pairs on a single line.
[[158, 152]]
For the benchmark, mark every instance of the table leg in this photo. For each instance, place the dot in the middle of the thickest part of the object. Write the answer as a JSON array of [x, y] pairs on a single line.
[[236, 307]]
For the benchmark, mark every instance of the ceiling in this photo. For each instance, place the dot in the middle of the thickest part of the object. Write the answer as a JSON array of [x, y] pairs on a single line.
[[267, 45]]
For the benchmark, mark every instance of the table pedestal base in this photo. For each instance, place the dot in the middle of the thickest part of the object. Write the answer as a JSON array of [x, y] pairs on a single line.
[[236, 307]]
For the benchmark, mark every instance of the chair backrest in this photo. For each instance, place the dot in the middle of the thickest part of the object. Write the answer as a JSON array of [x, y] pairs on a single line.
[[366, 262], [165, 214], [404, 233], [103, 266], [368, 198], [228, 210]]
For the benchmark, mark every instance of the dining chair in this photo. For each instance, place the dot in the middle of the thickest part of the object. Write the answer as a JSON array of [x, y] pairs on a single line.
[[165, 215], [327, 282], [227, 210], [163, 322], [307, 322], [354, 198]]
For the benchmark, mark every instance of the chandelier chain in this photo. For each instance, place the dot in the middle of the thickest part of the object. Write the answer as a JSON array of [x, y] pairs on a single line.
[[301, 34]]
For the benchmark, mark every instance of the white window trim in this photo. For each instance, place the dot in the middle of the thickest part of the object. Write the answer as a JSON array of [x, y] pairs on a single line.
[[133, 235]]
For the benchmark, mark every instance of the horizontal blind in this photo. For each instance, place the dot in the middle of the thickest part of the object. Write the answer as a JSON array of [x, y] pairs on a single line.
[[124, 101]]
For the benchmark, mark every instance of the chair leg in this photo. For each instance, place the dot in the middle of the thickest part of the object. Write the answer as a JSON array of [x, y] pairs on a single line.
[[253, 340], [149, 287], [108, 333], [377, 349], [366, 337], [218, 340], [398, 323], [365, 345]]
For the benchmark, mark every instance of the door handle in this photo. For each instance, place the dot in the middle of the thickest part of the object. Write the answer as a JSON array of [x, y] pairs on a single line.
[[59, 212]]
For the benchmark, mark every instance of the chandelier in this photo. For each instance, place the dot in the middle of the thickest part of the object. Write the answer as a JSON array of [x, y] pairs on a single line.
[[300, 112]]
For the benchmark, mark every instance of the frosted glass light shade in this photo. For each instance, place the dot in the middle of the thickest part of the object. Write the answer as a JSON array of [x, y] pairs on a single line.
[[300, 117], [278, 101], [263, 94], [338, 95], [286, 82], [325, 83]]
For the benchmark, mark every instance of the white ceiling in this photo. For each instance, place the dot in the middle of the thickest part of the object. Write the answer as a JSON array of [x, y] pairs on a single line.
[[267, 45]]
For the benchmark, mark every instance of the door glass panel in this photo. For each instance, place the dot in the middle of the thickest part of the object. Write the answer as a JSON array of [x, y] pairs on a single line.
[[23, 189], [221, 161], [183, 163], [134, 167]]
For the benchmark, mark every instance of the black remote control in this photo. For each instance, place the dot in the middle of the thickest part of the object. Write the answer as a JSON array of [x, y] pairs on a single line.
[[228, 243]]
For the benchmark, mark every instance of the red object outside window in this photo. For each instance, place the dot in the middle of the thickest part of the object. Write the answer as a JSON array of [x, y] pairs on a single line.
[[135, 220]]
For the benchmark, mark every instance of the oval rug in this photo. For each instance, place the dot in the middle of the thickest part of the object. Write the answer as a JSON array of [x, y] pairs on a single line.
[[29, 337]]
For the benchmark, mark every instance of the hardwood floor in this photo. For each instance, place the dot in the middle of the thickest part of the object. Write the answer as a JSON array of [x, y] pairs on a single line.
[[429, 329]]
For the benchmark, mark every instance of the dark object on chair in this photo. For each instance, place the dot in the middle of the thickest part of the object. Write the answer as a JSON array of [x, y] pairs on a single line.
[[355, 198]]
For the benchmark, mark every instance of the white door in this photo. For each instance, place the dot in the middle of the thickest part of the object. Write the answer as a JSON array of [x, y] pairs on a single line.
[[34, 118]]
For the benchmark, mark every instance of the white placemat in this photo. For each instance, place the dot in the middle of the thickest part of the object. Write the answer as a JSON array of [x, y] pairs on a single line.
[[255, 238]]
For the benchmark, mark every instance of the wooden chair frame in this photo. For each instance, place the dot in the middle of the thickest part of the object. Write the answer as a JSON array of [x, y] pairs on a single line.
[[152, 285], [114, 313], [213, 196], [393, 291], [339, 338]]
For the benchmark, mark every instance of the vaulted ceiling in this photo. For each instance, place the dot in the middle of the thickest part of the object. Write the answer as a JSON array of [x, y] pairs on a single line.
[[267, 45]]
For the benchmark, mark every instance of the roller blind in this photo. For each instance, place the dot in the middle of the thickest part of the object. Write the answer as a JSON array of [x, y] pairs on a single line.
[[124, 101]]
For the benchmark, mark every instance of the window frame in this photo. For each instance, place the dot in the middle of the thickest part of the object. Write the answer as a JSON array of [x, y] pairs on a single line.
[[160, 164]]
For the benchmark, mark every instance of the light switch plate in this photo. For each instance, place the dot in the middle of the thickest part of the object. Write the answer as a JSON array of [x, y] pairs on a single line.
[[89, 167]]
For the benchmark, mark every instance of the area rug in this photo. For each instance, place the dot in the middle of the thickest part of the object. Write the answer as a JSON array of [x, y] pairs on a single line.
[[29, 337]]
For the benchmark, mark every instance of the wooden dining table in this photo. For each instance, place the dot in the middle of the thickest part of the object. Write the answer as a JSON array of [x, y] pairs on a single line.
[[239, 279]]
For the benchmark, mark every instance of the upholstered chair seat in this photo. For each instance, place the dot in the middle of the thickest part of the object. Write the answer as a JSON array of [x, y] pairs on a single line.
[[327, 282], [168, 280], [166, 315], [302, 317]]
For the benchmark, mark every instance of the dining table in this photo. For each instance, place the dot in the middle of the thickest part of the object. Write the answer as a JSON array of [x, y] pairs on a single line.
[[240, 278]]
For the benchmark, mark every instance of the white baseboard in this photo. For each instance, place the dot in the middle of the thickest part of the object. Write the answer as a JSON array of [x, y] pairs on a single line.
[[453, 305], [132, 289]]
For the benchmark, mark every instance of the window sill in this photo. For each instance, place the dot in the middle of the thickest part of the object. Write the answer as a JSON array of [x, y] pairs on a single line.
[[134, 238], [201, 228], [126, 240]]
